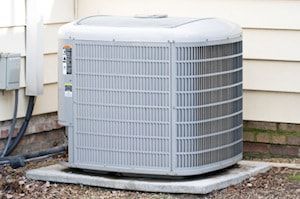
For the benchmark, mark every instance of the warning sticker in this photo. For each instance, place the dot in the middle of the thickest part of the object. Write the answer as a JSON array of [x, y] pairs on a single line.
[[67, 60], [64, 68], [68, 89]]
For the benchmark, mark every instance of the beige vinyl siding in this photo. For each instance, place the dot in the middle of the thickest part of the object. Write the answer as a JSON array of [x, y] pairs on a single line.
[[50, 35], [12, 39], [50, 69], [272, 44], [57, 11], [266, 14], [45, 103], [271, 32], [12, 13], [281, 76], [279, 106]]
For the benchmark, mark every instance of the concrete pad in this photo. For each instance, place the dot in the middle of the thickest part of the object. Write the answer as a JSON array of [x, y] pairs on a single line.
[[202, 184]]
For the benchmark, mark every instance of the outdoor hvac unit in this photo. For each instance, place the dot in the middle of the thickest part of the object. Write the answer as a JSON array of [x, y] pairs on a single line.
[[151, 95]]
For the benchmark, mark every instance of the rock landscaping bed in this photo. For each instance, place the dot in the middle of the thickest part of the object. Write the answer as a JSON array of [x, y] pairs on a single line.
[[276, 183]]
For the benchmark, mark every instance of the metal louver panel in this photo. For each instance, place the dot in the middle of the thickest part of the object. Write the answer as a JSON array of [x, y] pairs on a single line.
[[156, 108], [121, 103], [208, 104]]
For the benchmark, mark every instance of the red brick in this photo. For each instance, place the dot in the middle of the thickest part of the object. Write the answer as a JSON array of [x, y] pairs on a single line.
[[293, 140], [255, 147], [248, 136], [4, 133], [40, 133], [263, 137], [284, 150], [261, 125], [278, 139], [289, 127], [40, 128], [56, 125], [40, 141]]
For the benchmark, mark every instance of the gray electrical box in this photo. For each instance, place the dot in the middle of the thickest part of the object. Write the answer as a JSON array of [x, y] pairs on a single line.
[[9, 71]]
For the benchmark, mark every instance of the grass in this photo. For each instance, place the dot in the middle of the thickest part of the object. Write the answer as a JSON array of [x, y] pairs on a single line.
[[270, 132], [295, 177]]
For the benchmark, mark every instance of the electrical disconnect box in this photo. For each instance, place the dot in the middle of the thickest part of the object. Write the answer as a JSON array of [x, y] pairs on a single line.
[[9, 71]]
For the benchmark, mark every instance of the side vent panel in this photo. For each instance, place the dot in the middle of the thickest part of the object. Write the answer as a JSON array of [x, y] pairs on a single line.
[[209, 104]]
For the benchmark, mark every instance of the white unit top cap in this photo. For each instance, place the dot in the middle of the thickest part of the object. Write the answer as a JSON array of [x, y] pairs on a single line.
[[138, 21], [150, 28]]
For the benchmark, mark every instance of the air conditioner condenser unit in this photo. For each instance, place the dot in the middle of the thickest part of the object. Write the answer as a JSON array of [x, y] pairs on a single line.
[[152, 95]]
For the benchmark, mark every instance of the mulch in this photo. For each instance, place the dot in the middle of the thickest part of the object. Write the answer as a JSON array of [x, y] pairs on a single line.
[[276, 183]]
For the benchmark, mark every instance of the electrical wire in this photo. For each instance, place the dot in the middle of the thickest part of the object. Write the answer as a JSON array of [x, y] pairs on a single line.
[[13, 125]]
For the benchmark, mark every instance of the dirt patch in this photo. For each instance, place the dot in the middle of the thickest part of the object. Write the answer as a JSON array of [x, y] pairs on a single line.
[[276, 183]]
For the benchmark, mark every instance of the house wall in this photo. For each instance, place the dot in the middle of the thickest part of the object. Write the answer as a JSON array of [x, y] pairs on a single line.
[[12, 39], [271, 47], [43, 131], [271, 31]]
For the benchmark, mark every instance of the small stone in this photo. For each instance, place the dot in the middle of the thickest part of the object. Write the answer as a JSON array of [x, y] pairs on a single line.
[[21, 182], [8, 196], [27, 186], [47, 184], [249, 185], [252, 178]]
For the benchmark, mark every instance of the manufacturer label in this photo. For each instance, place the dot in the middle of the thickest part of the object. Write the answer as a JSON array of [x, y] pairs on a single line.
[[67, 60], [68, 90]]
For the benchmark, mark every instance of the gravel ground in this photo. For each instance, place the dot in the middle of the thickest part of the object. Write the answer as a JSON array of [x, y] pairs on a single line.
[[276, 183]]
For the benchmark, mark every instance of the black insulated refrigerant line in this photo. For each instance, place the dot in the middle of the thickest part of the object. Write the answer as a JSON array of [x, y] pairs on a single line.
[[12, 143], [23, 127], [13, 125], [20, 160]]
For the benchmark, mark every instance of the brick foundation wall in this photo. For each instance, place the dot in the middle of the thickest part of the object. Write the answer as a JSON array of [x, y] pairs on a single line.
[[275, 139], [43, 132]]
